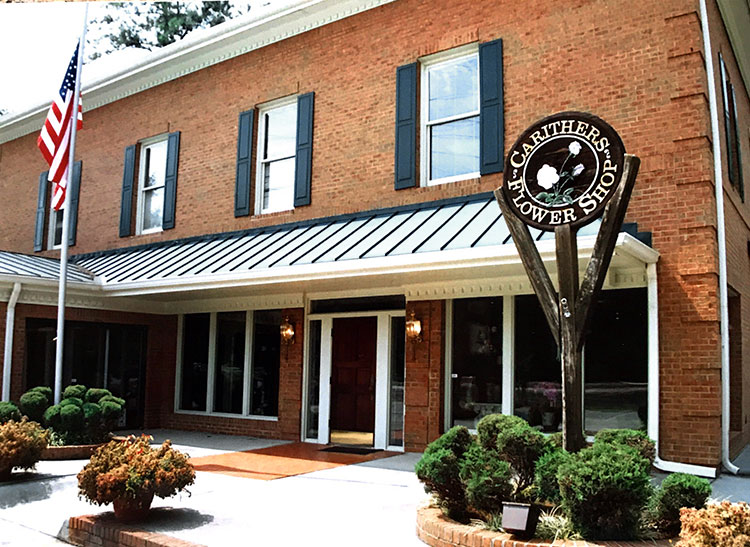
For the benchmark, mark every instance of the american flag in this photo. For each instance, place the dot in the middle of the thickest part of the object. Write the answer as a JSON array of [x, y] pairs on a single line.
[[54, 140]]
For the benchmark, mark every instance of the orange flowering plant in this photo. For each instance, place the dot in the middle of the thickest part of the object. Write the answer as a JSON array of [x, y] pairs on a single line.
[[131, 468], [721, 524], [21, 444]]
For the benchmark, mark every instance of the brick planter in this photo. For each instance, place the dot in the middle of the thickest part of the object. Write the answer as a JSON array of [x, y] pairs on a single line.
[[437, 530], [72, 452], [105, 531]]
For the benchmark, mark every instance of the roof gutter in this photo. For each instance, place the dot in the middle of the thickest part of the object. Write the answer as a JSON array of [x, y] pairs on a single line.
[[10, 318], [722, 241]]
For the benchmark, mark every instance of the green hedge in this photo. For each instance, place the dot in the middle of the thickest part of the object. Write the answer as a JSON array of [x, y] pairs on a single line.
[[486, 479], [9, 411], [675, 492]]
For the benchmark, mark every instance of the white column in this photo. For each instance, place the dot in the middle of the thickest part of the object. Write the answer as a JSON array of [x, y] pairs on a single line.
[[509, 352], [326, 349], [382, 354]]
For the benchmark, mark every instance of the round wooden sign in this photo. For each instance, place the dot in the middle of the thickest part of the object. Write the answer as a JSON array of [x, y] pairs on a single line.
[[563, 170]]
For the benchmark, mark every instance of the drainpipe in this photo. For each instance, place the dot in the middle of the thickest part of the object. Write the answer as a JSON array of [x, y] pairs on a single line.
[[654, 386], [10, 317], [722, 243]]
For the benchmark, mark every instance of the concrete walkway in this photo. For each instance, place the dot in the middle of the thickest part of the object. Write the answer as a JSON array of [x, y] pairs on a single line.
[[367, 504], [374, 502]]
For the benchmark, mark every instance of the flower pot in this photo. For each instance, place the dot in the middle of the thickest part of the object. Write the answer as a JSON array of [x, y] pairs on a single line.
[[129, 509], [520, 519]]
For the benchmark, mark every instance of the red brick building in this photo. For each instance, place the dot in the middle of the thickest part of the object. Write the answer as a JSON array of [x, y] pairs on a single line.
[[329, 166]]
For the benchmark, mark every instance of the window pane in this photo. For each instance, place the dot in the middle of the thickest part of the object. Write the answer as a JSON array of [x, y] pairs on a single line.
[[153, 205], [266, 354], [476, 379], [58, 227], [278, 186], [281, 132], [156, 164], [616, 363], [313, 381], [398, 362], [229, 377], [195, 335], [453, 88], [538, 387], [454, 148]]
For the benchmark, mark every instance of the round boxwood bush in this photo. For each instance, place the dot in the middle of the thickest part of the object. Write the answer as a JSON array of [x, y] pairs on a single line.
[[439, 470], [604, 489], [76, 390], [489, 426], [521, 446], [72, 401], [94, 394], [676, 491], [629, 437], [486, 479], [112, 399], [92, 413], [46, 391], [71, 417], [52, 416], [111, 411], [545, 475], [9, 411], [33, 404]]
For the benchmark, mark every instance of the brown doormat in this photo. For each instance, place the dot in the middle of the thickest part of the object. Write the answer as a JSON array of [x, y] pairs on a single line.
[[284, 460]]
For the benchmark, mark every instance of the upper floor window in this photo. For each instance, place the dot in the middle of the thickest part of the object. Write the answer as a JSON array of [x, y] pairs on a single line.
[[55, 228], [450, 116], [277, 136], [732, 131], [151, 177], [48, 224]]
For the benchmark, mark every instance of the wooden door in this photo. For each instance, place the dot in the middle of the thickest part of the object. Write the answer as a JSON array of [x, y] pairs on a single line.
[[353, 374]]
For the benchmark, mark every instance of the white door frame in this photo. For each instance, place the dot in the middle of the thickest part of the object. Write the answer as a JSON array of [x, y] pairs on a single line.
[[382, 375]]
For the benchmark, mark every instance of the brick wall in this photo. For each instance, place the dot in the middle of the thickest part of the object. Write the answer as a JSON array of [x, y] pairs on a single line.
[[423, 391], [641, 69]]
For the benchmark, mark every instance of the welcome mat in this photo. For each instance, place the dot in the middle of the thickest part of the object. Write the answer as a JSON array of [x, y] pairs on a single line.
[[284, 460], [351, 450]]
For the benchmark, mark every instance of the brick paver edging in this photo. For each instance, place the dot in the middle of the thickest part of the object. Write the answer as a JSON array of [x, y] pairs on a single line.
[[437, 530], [105, 531]]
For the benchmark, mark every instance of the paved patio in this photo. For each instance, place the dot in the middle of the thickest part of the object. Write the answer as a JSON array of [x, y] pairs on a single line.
[[329, 507]]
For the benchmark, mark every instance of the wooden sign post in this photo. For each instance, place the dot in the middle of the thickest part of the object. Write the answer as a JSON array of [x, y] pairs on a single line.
[[562, 173]]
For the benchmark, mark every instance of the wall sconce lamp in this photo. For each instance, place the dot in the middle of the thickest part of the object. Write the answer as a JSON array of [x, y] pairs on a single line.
[[413, 328], [287, 331]]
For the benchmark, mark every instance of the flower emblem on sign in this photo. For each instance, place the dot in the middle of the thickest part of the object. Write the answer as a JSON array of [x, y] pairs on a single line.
[[555, 183]]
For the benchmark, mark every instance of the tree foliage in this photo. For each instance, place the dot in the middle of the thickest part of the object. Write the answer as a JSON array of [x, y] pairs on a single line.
[[150, 25]]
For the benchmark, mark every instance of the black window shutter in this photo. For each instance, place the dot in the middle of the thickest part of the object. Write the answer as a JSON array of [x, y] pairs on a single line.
[[126, 203], [41, 212], [491, 115], [244, 159], [170, 180], [738, 142], [303, 160], [75, 191], [406, 127]]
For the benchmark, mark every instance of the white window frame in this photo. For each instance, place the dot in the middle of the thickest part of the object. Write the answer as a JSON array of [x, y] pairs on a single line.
[[51, 229], [143, 145], [210, 379], [427, 64], [261, 163]]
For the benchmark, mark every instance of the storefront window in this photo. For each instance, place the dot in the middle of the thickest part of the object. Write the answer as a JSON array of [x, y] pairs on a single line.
[[229, 376], [195, 361], [476, 357], [264, 399]]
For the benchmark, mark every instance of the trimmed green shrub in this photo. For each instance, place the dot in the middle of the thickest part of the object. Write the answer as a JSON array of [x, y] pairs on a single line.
[[77, 390], [72, 401], [9, 411], [111, 411], [94, 394], [439, 470], [521, 446], [52, 416], [604, 489], [112, 399], [545, 475], [47, 391], [92, 414], [676, 491], [486, 479], [71, 417], [555, 440], [33, 404], [489, 426], [629, 437]]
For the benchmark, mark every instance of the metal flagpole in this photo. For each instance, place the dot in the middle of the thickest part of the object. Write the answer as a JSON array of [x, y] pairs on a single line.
[[59, 347]]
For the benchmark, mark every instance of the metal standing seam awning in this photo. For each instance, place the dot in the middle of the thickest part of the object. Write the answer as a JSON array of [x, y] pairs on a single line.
[[24, 268], [426, 241]]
